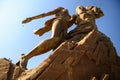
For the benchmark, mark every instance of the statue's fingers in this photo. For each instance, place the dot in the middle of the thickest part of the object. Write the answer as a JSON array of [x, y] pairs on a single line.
[[26, 21], [23, 21]]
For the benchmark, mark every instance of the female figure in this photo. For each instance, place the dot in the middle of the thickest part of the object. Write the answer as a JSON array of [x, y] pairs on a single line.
[[59, 25]]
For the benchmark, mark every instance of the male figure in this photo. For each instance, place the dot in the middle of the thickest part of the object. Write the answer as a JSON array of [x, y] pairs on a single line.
[[85, 21]]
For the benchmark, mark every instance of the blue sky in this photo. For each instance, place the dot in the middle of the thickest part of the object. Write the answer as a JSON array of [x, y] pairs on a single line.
[[16, 38]]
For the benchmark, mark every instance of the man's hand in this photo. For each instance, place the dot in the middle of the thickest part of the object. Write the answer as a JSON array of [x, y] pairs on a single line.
[[26, 20]]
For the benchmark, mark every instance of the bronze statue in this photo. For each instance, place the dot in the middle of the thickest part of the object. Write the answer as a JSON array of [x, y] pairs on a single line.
[[58, 25], [85, 21]]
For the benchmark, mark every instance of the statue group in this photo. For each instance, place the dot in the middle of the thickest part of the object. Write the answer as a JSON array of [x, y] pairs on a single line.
[[84, 18]]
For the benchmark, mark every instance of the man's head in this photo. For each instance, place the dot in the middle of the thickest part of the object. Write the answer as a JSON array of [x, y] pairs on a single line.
[[95, 10], [80, 9]]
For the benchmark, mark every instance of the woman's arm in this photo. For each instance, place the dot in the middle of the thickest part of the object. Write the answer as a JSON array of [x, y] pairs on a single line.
[[55, 11]]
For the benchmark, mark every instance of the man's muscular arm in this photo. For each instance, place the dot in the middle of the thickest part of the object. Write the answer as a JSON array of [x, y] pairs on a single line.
[[72, 20]]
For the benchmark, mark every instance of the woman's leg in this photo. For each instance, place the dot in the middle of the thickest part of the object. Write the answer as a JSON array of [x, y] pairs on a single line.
[[43, 47]]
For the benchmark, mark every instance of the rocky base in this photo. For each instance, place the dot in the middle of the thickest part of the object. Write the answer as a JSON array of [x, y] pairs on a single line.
[[91, 58]]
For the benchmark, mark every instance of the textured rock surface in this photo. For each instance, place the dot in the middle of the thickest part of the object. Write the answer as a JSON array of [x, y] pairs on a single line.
[[91, 58], [8, 71], [4, 69]]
